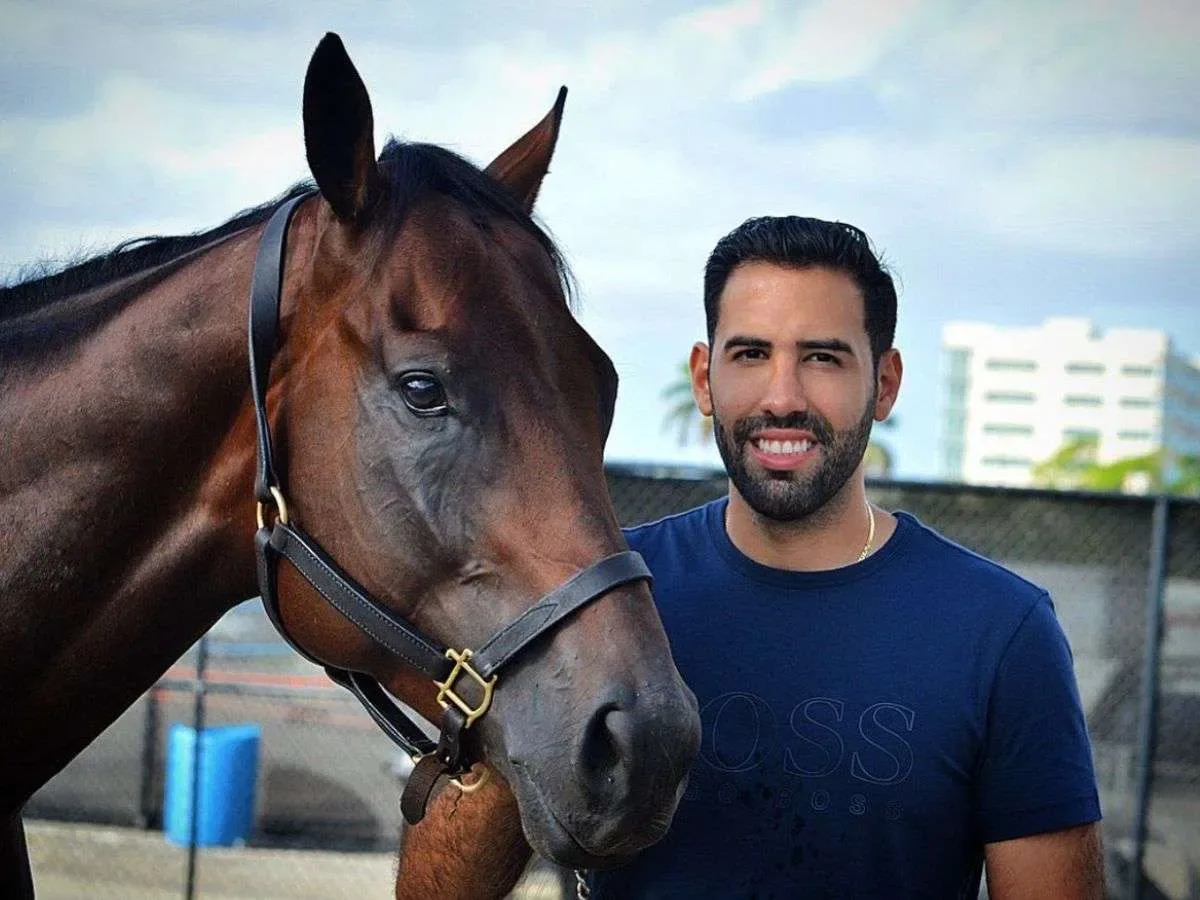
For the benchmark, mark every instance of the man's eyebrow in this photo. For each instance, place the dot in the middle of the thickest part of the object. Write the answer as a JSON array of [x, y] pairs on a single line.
[[836, 345], [741, 340]]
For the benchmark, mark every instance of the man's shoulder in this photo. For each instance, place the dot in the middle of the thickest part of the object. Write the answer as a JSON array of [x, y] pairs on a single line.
[[671, 531], [943, 561]]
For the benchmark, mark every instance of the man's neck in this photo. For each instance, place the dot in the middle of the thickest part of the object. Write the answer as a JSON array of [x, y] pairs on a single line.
[[829, 538]]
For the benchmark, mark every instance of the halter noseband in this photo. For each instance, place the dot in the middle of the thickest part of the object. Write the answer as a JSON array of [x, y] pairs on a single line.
[[465, 678]]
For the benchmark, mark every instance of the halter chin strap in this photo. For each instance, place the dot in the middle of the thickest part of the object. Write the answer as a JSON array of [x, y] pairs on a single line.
[[465, 678]]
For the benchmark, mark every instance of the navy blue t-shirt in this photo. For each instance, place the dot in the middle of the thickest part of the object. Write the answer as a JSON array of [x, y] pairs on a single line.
[[865, 730]]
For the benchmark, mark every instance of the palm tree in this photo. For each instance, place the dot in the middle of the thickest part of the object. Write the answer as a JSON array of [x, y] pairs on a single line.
[[682, 414]]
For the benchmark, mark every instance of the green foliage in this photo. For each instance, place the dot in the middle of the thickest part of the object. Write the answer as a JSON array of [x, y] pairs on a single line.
[[1064, 468], [682, 414], [1074, 465]]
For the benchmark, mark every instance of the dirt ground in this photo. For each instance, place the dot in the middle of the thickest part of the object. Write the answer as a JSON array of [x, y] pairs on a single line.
[[73, 862]]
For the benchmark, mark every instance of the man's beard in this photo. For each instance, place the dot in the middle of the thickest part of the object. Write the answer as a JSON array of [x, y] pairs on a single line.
[[791, 496]]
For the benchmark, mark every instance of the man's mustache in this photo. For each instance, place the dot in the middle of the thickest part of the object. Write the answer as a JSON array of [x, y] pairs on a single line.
[[745, 429]]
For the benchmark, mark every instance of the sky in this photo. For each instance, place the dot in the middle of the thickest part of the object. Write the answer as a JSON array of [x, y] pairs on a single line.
[[1011, 160]]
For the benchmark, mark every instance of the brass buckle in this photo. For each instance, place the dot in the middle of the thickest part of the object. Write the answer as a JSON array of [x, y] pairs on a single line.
[[280, 507], [446, 694]]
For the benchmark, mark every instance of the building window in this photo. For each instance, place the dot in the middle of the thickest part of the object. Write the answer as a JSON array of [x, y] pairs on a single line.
[[1085, 368], [1140, 371], [1011, 365], [1083, 400], [1008, 428], [1135, 435], [1137, 403], [1007, 462], [1008, 397], [1081, 434]]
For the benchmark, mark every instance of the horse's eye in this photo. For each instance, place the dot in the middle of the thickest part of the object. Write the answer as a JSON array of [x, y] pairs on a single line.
[[423, 394]]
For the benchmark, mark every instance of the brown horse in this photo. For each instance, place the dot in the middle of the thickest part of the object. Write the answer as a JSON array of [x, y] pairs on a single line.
[[458, 495]]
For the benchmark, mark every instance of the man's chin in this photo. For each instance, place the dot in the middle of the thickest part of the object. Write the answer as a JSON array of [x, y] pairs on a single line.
[[774, 498]]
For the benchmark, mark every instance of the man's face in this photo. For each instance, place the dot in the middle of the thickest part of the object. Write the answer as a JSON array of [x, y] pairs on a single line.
[[791, 386]]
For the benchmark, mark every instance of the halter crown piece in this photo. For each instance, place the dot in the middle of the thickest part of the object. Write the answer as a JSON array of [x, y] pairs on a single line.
[[466, 679]]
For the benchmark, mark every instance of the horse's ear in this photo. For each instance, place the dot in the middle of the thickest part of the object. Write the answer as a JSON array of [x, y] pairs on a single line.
[[523, 165], [339, 130]]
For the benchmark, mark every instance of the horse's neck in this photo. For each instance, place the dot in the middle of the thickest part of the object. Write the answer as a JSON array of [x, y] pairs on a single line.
[[126, 516], [468, 846]]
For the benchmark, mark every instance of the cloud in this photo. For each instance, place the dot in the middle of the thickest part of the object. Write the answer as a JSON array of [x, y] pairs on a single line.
[[833, 40], [1124, 196], [1054, 65]]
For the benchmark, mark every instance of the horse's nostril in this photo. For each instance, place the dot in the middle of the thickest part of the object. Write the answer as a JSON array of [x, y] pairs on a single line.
[[607, 743]]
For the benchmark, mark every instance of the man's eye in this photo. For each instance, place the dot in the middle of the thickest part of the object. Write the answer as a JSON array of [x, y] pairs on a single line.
[[753, 353], [423, 394]]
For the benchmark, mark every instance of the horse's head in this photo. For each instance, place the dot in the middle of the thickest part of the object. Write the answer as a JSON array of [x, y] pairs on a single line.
[[441, 419]]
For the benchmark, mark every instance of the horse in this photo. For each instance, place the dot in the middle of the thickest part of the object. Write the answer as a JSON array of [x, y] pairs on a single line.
[[423, 403]]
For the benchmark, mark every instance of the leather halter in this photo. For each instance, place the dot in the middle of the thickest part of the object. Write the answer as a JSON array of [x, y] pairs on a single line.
[[465, 678]]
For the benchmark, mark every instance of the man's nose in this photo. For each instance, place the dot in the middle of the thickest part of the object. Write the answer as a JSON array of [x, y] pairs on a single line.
[[785, 392]]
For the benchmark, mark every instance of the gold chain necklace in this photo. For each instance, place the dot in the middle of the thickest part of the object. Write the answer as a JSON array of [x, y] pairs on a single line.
[[870, 534]]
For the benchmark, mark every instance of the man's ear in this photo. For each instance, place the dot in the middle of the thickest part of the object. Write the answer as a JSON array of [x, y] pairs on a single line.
[[701, 390], [888, 375]]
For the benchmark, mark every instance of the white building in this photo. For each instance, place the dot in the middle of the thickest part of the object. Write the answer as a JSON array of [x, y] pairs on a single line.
[[1013, 396]]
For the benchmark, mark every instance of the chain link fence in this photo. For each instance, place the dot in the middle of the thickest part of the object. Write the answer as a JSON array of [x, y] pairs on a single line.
[[1124, 573]]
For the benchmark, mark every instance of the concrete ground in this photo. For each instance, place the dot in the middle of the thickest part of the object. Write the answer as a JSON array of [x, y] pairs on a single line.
[[72, 862]]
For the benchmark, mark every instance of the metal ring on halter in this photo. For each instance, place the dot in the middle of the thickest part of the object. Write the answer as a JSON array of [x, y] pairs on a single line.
[[467, 787], [280, 507], [483, 776]]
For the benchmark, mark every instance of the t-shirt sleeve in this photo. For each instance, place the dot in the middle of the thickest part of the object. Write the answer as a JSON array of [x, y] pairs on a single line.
[[1036, 774]]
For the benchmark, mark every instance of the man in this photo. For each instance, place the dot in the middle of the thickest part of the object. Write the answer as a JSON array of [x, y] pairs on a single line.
[[883, 710]]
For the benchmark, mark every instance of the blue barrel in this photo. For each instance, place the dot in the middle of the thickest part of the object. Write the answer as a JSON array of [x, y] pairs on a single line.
[[228, 774]]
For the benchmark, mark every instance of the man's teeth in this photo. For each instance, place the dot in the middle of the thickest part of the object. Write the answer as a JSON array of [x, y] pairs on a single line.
[[783, 446]]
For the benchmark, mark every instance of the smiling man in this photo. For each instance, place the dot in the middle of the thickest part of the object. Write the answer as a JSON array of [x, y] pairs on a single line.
[[884, 711]]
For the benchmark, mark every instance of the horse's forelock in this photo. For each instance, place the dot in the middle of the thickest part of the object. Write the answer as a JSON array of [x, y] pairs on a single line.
[[413, 170]]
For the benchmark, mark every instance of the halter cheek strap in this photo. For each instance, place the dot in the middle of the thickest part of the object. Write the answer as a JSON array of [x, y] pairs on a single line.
[[466, 679]]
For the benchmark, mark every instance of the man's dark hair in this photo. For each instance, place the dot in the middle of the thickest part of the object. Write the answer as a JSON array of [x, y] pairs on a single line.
[[800, 243]]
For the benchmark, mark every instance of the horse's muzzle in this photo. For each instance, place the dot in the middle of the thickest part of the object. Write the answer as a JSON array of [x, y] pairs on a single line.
[[610, 790]]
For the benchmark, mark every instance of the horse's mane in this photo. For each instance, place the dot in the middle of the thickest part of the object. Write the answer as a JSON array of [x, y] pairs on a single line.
[[126, 258], [413, 170]]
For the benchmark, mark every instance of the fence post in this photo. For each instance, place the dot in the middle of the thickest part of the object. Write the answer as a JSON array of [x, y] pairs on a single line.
[[149, 746], [197, 750], [1147, 727]]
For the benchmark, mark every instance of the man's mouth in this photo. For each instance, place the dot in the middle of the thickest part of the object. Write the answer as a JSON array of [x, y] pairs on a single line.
[[780, 454], [783, 448]]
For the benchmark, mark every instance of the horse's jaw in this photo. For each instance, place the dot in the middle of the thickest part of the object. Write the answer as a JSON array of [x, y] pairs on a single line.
[[606, 847], [582, 813]]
